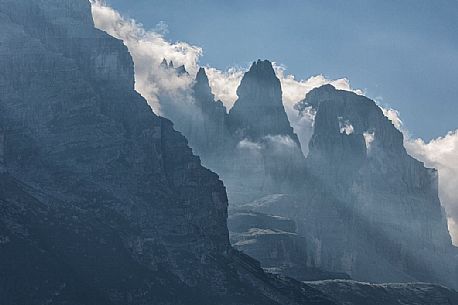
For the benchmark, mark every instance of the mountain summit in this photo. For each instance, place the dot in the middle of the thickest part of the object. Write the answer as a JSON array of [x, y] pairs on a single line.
[[259, 110]]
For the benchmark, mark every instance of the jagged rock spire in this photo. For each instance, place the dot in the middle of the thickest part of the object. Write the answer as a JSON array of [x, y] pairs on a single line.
[[202, 85], [164, 64], [259, 111], [181, 70], [261, 84]]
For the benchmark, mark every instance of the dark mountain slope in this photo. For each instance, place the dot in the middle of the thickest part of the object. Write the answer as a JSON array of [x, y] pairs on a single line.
[[102, 201]]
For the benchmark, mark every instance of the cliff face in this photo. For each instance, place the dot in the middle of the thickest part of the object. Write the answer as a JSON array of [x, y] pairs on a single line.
[[102, 202], [275, 242], [352, 293], [366, 208], [385, 203], [208, 135]]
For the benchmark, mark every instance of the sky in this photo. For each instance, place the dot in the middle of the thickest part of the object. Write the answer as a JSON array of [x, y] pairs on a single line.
[[404, 53]]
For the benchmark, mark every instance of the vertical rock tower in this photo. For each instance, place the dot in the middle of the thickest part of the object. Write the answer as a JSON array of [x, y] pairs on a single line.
[[387, 202], [259, 110]]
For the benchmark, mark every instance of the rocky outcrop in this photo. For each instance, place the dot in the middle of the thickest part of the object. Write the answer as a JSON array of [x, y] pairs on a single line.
[[103, 202], [274, 241], [353, 293], [382, 203], [180, 71], [265, 151], [366, 208], [209, 135], [259, 110]]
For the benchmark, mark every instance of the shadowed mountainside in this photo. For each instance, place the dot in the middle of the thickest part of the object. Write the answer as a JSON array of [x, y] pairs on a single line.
[[102, 201]]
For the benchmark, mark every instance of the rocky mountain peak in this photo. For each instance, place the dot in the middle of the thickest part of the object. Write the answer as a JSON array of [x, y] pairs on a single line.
[[259, 110], [180, 70], [359, 155], [261, 85], [262, 69], [201, 76], [353, 117], [202, 85], [316, 96]]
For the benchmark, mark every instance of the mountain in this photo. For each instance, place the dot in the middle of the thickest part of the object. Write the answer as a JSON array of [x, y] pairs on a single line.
[[363, 206], [275, 242], [259, 110], [265, 151], [366, 208], [102, 201], [383, 203], [208, 134]]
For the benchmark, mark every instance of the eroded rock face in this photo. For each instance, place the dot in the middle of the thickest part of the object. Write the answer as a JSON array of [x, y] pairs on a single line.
[[259, 110], [365, 207], [255, 140], [382, 203], [103, 202], [209, 135], [274, 241], [353, 293]]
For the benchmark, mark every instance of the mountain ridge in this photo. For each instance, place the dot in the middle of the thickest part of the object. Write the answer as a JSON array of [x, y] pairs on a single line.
[[102, 201]]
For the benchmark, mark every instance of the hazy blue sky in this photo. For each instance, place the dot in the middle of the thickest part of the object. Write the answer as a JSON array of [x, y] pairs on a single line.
[[404, 52]]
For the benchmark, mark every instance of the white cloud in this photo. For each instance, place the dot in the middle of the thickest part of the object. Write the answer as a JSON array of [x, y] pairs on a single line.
[[369, 137], [295, 90], [148, 49], [442, 154], [394, 116], [275, 143], [345, 126], [249, 145], [224, 84], [282, 141], [453, 228]]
